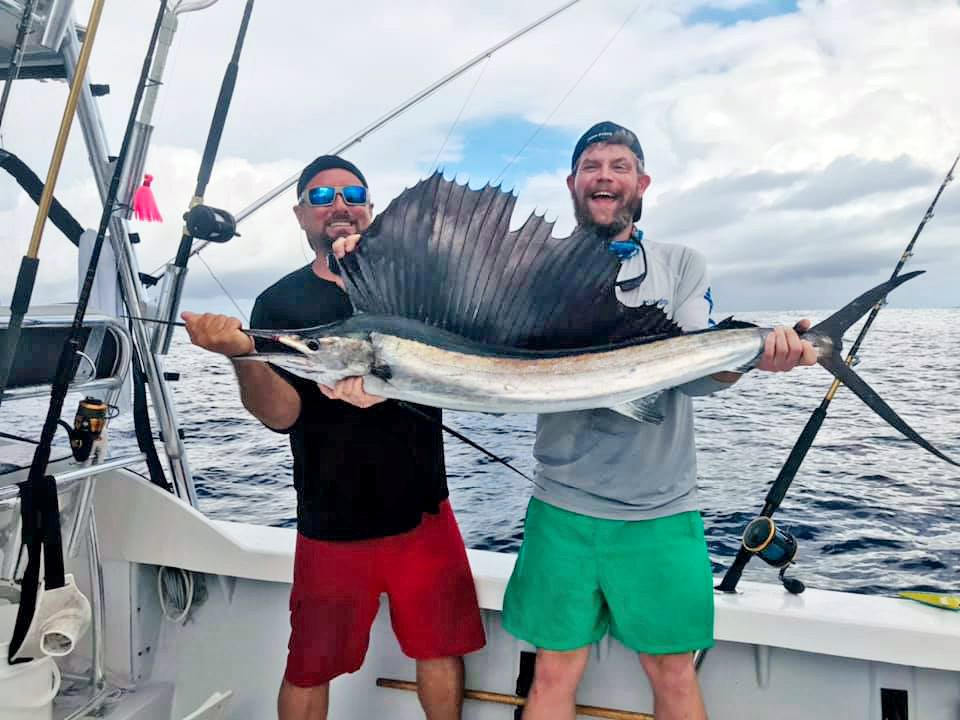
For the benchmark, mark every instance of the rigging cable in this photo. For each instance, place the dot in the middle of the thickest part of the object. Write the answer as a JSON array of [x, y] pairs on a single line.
[[187, 248], [388, 117], [463, 107], [569, 92], [225, 291]]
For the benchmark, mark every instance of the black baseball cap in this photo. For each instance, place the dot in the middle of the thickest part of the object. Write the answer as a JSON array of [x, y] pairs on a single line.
[[602, 132], [327, 162]]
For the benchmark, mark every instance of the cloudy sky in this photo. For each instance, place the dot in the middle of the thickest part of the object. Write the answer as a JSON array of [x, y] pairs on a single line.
[[796, 144]]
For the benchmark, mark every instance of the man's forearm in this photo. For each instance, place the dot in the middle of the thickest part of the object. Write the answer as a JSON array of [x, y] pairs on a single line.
[[266, 395]]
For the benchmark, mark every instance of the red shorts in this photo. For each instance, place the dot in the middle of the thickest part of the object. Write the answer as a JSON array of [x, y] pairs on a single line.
[[336, 595]]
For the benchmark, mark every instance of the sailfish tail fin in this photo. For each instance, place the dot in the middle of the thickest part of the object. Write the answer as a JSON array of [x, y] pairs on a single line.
[[827, 336]]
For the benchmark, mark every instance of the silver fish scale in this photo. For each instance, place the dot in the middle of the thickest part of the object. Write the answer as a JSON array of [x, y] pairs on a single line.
[[434, 376]]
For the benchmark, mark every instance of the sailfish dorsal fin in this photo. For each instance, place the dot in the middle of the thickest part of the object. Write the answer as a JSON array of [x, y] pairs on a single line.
[[444, 255]]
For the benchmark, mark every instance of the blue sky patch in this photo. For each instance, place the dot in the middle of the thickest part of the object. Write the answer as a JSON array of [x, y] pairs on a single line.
[[749, 12], [489, 145]]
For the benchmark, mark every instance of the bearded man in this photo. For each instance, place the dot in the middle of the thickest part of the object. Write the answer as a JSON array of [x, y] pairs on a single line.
[[613, 538], [372, 510]]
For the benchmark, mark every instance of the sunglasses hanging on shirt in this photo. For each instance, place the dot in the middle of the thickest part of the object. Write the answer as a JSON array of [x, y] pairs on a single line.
[[626, 249]]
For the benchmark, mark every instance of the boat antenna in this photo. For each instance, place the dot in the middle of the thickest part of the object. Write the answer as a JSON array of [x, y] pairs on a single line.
[[38, 495], [789, 470], [16, 60]]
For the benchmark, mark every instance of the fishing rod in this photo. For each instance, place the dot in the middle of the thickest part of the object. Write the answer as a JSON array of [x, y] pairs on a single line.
[[16, 60], [200, 220], [762, 537], [27, 275], [463, 438], [377, 124], [39, 505]]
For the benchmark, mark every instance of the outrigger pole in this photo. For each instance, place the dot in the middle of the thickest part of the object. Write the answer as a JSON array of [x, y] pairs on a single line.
[[403, 107], [396, 112], [789, 470], [38, 495]]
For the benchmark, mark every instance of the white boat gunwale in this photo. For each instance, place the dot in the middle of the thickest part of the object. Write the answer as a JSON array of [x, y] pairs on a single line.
[[133, 514]]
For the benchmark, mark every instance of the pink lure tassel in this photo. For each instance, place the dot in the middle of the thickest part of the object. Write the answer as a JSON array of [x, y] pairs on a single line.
[[144, 204]]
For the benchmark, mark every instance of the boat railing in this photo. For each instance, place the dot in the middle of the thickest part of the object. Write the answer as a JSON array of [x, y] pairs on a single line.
[[75, 484], [67, 479], [104, 360]]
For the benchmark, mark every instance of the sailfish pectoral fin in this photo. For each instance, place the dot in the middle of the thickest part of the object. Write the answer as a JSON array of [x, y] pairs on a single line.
[[642, 410]]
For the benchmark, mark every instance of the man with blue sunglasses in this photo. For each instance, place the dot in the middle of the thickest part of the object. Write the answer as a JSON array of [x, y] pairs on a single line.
[[372, 508]]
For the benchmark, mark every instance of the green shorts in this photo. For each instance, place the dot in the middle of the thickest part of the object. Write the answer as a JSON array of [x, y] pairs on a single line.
[[649, 582]]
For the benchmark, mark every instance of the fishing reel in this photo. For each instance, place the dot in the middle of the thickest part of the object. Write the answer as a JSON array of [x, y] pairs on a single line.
[[211, 224], [775, 546], [88, 423]]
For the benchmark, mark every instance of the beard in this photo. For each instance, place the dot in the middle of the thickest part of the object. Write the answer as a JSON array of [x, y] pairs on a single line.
[[620, 222], [322, 242]]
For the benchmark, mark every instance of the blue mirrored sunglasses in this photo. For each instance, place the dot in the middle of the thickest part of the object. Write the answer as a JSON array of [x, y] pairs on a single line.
[[326, 194]]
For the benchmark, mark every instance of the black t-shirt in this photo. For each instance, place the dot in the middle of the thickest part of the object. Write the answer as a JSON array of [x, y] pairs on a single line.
[[359, 473]]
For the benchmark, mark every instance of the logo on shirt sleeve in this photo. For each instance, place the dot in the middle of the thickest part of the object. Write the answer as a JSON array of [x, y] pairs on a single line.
[[708, 296]]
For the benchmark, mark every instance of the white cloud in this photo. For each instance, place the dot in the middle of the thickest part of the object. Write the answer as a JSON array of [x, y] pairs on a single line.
[[798, 152]]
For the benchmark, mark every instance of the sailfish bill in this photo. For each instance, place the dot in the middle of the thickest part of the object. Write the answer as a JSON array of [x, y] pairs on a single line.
[[454, 310]]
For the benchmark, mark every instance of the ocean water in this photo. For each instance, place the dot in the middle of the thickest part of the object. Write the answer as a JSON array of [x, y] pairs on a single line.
[[873, 513]]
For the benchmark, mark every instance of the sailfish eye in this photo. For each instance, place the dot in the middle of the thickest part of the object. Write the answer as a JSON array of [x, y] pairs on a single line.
[[312, 345]]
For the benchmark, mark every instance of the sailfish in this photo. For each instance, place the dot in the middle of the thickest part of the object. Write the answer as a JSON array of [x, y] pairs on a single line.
[[455, 310]]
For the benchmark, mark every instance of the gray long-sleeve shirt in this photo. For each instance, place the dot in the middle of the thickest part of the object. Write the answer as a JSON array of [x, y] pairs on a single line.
[[603, 464]]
